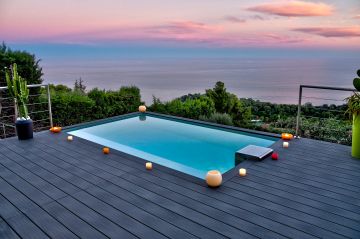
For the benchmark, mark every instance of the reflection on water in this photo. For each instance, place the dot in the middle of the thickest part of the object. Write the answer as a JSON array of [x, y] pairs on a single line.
[[142, 117], [275, 80]]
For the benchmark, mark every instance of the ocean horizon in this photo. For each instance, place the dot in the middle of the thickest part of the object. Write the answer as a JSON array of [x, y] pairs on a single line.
[[270, 79]]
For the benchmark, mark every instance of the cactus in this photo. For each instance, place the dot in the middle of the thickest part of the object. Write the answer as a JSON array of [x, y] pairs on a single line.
[[18, 89], [357, 81]]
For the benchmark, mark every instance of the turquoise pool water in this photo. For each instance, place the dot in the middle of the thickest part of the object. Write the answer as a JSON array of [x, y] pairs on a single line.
[[180, 145]]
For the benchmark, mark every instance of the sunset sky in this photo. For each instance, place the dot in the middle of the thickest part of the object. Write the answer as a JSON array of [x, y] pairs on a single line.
[[215, 24]]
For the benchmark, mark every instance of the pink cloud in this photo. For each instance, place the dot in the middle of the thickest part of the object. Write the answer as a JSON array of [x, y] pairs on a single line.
[[258, 17], [278, 38], [234, 19], [181, 28], [331, 31], [294, 9], [357, 17], [184, 31]]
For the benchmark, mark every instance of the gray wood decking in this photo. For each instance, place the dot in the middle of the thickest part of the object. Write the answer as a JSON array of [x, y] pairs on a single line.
[[53, 188]]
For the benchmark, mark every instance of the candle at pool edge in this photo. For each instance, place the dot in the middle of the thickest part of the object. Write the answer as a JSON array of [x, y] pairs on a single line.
[[148, 165], [242, 172]]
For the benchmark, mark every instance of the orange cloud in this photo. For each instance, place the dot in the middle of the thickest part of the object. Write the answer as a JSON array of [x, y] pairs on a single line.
[[294, 9], [331, 31]]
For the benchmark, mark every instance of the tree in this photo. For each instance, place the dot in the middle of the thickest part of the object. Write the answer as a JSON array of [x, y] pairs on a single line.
[[28, 65], [79, 86], [220, 97], [227, 103]]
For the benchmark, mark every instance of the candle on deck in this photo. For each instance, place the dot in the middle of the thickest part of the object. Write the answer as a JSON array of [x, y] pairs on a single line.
[[286, 144], [287, 136], [275, 156], [213, 178], [242, 172], [106, 150], [148, 165], [70, 138]]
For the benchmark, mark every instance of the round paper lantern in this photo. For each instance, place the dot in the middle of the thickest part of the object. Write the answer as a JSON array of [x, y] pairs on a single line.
[[287, 136], [242, 172], [55, 129], [70, 138], [275, 156], [106, 150], [213, 178], [142, 108], [148, 165]]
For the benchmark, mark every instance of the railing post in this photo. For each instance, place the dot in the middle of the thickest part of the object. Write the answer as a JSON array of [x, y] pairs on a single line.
[[15, 109], [16, 112], [4, 132], [49, 104], [298, 112]]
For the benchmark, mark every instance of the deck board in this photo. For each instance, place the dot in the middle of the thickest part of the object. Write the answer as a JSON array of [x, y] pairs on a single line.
[[6, 231], [59, 189]]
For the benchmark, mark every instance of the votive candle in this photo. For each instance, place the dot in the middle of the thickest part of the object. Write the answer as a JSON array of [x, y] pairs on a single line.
[[148, 165], [242, 172]]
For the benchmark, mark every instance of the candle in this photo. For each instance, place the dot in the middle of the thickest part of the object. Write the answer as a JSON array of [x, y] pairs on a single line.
[[70, 138], [213, 178], [142, 108], [148, 165], [55, 129], [286, 144], [275, 156], [286, 136], [242, 172], [106, 150]]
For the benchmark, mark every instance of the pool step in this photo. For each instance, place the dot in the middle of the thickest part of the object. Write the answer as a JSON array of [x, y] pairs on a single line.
[[252, 152]]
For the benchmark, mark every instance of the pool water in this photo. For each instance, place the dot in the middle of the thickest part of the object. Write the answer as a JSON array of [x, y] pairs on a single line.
[[180, 145]]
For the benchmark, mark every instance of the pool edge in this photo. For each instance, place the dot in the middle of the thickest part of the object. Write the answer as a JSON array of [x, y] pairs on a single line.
[[226, 176], [199, 122]]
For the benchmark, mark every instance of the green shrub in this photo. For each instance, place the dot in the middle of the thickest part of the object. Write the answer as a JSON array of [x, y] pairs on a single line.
[[72, 107], [219, 118], [189, 108]]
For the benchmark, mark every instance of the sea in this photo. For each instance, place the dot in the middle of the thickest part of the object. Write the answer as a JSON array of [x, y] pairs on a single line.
[[275, 80]]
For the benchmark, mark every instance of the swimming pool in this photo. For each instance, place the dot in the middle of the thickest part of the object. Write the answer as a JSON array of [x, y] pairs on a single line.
[[182, 145]]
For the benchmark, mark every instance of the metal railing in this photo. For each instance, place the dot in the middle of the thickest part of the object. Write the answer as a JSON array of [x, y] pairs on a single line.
[[39, 110], [339, 113]]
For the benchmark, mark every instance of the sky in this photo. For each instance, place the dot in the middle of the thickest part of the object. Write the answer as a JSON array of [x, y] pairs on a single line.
[[165, 25]]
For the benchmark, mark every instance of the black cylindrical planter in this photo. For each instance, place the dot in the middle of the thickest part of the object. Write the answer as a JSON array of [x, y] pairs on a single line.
[[24, 129]]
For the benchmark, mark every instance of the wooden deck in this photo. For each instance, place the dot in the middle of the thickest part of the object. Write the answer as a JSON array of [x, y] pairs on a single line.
[[53, 188]]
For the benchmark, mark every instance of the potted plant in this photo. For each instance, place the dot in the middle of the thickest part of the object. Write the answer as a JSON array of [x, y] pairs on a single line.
[[354, 110], [18, 89]]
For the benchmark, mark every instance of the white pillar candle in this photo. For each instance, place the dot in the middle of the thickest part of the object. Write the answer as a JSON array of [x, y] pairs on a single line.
[[70, 138], [148, 165], [286, 144], [242, 172]]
